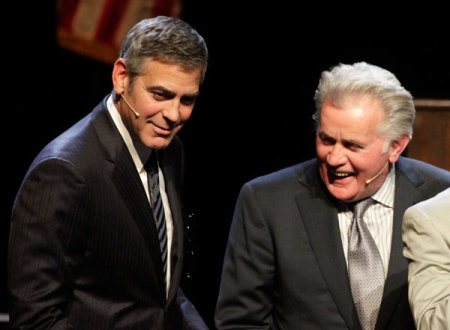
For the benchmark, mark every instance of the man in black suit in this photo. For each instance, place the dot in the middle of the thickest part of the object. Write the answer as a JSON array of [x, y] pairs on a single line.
[[318, 245], [85, 249]]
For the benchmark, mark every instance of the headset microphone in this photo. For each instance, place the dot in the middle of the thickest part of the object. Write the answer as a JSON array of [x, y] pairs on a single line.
[[132, 109], [378, 174]]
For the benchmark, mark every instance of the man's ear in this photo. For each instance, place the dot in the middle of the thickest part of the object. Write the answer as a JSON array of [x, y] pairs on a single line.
[[120, 76], [397, 147]]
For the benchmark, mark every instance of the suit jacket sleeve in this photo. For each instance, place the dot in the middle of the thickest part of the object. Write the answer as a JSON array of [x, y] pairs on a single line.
[[191, 318], [44, 245], [245, 297], [427, 245]]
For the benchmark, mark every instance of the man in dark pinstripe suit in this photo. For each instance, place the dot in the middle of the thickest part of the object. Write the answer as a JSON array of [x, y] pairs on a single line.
[[84, 251]]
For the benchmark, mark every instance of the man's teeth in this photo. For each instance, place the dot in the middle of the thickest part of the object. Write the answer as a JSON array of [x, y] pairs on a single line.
[[341, 174]]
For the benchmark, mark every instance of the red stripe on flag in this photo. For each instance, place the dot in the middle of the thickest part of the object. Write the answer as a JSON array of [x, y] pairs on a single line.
[[66, 13], [163, 7], [109, 22]]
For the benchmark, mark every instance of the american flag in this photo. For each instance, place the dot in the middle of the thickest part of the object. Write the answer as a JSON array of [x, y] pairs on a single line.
[[96, 28]]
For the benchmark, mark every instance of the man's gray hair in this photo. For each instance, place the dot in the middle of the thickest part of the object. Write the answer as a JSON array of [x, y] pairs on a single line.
[[366, 79], [164, 38]]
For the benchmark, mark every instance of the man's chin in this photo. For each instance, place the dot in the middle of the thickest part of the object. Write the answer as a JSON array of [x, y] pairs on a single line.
[[342, 193], [158, 142]]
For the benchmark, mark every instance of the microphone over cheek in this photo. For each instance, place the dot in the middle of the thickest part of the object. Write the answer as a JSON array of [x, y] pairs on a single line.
[[131, 108], [378, 174]]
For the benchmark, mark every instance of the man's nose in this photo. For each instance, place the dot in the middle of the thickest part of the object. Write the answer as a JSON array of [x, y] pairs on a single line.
[[171, 111], [336, 156]]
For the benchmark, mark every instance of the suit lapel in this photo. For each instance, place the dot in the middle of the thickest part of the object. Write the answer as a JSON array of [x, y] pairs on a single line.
[[128, 183], [406, 194], [170, 179], [320, 219], [133, 194]]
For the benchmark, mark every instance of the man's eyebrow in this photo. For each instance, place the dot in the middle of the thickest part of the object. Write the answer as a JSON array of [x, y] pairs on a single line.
[[167, 92], [160, 89], [324, 135]]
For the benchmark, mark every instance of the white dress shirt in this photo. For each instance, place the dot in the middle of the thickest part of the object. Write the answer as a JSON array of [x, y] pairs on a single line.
[[140, 154], [379, 219]]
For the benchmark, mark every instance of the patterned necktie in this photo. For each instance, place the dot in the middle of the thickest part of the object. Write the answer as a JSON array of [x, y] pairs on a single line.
[[365, 268], [157, 206]]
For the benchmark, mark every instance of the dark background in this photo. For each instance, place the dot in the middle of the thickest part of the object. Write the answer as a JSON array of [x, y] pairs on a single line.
[[254, 112]]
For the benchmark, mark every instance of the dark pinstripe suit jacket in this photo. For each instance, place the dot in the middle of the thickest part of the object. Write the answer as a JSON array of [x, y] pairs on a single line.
[[83, 250]]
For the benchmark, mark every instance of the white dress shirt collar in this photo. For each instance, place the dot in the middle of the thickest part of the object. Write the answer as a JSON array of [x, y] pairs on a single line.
[[385, 195], [138, 151]]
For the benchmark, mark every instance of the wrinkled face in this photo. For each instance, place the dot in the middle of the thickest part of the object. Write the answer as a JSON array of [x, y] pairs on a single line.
[[350, 149], [163, 96]]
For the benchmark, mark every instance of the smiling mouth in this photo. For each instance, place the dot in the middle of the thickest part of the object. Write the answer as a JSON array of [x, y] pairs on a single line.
[[161, 129], [337, 175]]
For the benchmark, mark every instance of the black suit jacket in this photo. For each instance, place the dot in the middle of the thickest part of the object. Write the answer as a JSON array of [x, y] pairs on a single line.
[[285, 267], [83, 250]]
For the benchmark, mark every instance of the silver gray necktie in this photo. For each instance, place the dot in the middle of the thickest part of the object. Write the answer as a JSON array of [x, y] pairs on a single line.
[[365, 268]]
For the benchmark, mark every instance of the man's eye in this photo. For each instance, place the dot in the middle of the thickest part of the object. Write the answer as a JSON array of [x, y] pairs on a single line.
[[327, 141], [188, 100], [354, 146], [159, 96]]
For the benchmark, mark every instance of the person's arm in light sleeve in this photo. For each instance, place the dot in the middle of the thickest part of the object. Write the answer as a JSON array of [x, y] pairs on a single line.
[[428, 249]]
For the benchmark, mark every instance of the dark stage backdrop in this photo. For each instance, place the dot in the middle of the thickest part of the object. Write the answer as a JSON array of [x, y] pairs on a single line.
[[254, 112]]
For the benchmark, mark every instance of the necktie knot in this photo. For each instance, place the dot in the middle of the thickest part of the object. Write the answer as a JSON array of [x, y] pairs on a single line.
[[151, 165], [360, 207]]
